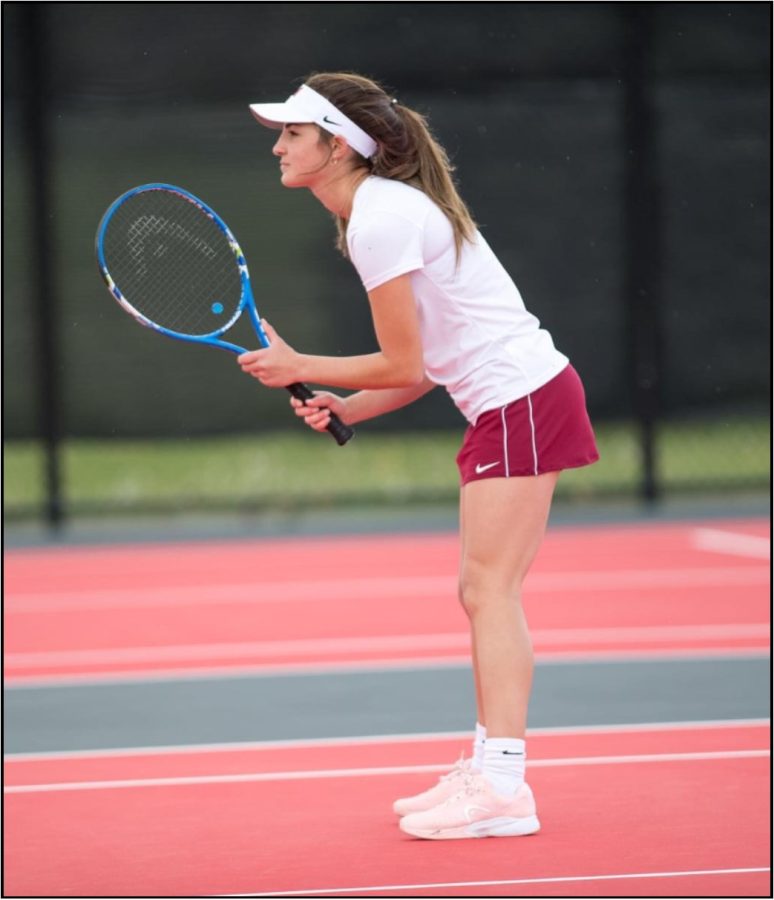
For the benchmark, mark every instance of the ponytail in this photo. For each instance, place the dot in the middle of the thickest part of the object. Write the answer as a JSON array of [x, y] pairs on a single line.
[[407, 150]]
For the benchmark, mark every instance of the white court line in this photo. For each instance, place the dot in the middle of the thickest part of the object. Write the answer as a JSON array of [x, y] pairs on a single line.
[[383, 643], [258, 592], [320, 774], [387, 664], [733, 543], [389, 739], [690, 873]]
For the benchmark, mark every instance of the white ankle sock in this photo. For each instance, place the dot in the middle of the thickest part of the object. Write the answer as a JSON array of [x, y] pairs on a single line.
[[504, 763], [478, 748]]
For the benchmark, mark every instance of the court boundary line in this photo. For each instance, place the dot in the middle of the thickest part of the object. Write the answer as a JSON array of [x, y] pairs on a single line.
[[295, 669], [370, 772], [368, 739], [560, 879], [20, 602], [159, 653], [732, 543]]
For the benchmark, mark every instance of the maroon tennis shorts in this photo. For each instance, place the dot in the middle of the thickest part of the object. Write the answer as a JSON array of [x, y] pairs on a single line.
[[546, 431]]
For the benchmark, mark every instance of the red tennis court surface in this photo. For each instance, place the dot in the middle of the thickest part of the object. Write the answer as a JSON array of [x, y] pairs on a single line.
[[678, 809], [139, 611]]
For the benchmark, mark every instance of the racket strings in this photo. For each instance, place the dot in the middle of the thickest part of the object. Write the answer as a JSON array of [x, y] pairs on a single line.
[[173, 264]]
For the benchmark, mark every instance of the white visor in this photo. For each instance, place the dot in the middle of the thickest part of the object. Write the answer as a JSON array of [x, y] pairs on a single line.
[[306, 106]]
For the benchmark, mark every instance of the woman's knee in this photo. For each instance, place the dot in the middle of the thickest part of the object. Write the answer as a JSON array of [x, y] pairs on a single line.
[[479, 587]]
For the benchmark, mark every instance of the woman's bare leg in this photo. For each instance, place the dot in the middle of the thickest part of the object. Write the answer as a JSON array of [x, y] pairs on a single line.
[[503, 521]]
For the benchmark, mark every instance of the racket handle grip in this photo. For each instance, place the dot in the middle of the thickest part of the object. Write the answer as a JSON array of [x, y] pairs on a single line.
[[341, 432]]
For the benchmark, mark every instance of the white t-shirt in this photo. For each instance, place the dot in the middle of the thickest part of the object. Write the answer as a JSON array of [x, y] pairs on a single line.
[[478, 339]]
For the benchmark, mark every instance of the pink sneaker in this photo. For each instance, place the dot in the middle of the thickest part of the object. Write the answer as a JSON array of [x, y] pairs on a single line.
[[447, 786], [476, 811]]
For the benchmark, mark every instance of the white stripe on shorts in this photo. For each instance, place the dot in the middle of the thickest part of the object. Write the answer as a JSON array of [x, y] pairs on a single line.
[[534, 440], [505, 441]]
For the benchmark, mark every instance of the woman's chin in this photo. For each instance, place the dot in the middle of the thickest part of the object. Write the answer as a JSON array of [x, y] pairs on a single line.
[[288, 181]]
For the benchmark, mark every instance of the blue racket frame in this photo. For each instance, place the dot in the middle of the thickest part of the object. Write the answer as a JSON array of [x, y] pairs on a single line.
[[340, 432], [247, 300]]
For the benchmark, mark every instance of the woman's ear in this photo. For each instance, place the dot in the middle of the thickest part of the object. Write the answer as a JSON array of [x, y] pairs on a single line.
[[339, 149]]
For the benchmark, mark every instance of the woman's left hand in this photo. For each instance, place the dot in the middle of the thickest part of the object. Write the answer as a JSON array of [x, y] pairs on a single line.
[[275, 366]]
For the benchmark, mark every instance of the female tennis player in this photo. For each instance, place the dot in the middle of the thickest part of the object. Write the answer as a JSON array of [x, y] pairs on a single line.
[[445, 312]]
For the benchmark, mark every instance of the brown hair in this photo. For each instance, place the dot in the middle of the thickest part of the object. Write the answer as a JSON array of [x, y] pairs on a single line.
[[407, 150]]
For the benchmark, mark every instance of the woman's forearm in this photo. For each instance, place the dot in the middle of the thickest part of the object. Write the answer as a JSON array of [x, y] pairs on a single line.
[[373, 371], [368, 404]]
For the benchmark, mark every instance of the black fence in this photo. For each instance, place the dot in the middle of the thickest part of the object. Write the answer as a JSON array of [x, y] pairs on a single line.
[[616, 156]]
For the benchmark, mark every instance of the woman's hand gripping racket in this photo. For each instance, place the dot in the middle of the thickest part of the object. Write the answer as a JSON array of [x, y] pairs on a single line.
[[172, 262]]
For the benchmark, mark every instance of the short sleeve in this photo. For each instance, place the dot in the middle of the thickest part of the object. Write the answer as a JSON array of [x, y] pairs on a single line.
[[385, 246]]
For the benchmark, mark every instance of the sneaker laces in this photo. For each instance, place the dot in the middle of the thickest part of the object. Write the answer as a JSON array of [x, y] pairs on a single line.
[[471, 785], [461, 767]]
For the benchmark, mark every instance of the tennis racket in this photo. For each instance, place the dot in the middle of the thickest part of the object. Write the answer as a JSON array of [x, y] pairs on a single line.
[[173, 264]]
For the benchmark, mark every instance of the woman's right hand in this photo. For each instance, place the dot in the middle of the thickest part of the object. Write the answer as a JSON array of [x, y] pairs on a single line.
[[316, 412]]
